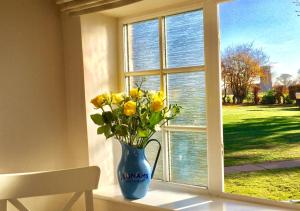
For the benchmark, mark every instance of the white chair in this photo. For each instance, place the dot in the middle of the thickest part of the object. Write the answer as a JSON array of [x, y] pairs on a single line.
[[22, 185]]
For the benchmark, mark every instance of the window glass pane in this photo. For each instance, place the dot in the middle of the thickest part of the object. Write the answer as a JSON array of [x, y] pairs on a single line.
[[143, 45], [188, 158], [185, 39], [151, 152], [188, 91], [149, 82]]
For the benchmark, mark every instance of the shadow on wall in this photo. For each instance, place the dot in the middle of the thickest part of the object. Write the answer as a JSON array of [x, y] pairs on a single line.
[[99, 43]]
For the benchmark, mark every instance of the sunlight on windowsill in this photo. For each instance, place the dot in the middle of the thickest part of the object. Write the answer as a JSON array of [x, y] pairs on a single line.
[[174, 198]]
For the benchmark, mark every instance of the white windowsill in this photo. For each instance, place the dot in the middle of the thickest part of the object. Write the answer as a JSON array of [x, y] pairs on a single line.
[[176, 198]]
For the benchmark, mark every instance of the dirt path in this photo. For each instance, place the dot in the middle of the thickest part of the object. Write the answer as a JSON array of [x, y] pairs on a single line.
[[262, 166]]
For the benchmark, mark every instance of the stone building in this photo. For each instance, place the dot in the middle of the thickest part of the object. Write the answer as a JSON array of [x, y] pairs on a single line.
[[266, 79]]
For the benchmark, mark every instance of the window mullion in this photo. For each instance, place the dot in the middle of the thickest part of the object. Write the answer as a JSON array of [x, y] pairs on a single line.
[[214, 104], [166, 156], [144, 73], [185, 128], [162, 50], [165, 148], [184, 69], [127, 49], [166, 71], [125, 59]]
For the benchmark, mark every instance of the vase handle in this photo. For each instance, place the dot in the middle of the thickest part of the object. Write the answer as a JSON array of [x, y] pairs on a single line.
[[157, 156]]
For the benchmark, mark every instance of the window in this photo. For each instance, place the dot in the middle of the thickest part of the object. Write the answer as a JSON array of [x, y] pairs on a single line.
[[262, 130], [168, 53]]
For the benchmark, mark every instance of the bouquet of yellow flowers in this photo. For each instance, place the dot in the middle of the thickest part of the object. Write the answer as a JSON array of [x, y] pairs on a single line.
[[133, 118]]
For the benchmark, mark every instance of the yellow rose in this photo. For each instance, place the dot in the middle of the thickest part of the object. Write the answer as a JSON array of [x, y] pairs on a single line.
[[151, 93], [157, 104], [155, 94], [98, 101], [107, 97], [136, 93], [117, 98], [130, 108], [160, 94]]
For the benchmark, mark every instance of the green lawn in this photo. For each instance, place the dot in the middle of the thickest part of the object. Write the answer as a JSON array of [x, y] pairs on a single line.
[[280, 185], [255, 134]]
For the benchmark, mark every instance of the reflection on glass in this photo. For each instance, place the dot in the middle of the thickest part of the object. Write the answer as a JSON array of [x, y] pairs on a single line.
[[151, 152], [185, 39], [188, 91], [143, 45], [188, 158], [148, 82]]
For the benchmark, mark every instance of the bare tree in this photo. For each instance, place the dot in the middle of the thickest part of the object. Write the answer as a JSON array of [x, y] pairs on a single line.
[[241, 65], [285, 80], [297, 4]]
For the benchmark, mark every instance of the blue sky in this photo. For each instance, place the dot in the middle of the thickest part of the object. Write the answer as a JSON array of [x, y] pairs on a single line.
[[271, 24]]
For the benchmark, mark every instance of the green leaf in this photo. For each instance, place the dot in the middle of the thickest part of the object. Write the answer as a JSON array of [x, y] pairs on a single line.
[[104, 129], [109, 135], [107, 117], [155, 118], [143, 133], [114, 128], [97, 119], [121, 130]]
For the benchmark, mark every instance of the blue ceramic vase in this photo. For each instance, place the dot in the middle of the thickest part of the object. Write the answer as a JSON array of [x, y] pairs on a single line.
[[134, 171]]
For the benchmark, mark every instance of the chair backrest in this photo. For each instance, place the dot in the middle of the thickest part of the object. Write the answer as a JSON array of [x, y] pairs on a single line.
[[21, 185]]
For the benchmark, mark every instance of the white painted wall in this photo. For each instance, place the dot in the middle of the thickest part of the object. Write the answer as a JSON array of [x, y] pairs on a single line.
[[33, 108], [75, 96], [99, 43]]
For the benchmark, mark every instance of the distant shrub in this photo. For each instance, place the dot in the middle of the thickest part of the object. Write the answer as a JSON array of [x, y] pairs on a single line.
[[249, 98], [279, 90], [288, 100], [255, 92], [269, 98], [228, 99], [292, 91]]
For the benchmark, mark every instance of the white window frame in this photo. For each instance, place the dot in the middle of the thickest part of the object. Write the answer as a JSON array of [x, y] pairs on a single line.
[[162, 72], [213, 91]]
